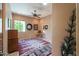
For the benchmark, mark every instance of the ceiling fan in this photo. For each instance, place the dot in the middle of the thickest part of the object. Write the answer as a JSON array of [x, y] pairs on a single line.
[[34, 13]]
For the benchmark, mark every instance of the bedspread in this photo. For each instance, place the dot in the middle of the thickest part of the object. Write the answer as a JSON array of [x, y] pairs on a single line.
[[34, 47]]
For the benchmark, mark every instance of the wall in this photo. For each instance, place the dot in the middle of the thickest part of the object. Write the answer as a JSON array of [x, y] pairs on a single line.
[[60, 16], [27, 34], [47, 21], [77, 31]]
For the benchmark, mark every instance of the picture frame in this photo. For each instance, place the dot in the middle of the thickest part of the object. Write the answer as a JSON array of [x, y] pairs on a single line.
[[45, 27], [35, 26], [29, 26]]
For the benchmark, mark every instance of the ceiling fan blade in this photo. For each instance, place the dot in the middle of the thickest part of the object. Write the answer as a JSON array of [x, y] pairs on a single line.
[[35, 14]]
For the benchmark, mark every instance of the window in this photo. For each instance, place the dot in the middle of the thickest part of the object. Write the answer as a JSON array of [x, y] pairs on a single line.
[[0, 25], [19, 25], [8, 24]]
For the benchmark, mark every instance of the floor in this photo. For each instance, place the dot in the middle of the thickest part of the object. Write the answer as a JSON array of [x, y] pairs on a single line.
[[14, 54]]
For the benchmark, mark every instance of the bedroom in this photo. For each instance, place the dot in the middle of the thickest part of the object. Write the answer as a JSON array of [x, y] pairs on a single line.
[[24, 17], [36, 21]]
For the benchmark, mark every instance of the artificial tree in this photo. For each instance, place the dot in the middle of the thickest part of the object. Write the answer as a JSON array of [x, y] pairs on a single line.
[[69, 45]]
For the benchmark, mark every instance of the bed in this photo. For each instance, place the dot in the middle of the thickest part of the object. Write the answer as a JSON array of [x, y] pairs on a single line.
[[34, 47]]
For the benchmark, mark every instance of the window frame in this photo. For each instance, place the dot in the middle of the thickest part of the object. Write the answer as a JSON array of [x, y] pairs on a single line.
[[20, 21]]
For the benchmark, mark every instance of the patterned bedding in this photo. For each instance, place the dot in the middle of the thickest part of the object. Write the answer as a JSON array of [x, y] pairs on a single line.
[[34, 47]]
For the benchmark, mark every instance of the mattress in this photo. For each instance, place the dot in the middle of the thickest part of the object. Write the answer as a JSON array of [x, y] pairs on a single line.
[[34, 47]]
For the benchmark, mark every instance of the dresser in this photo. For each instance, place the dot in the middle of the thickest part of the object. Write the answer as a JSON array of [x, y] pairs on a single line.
[[12, 41]]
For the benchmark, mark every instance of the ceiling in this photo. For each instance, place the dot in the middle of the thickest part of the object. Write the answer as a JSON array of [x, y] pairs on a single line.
[[28, 8]]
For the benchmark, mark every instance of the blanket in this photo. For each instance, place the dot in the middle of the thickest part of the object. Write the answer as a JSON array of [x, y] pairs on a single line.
[[34, 47]]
